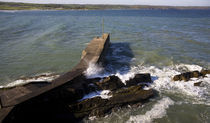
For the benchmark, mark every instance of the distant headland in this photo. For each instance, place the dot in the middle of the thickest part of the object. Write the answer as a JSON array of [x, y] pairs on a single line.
[[32, 6]]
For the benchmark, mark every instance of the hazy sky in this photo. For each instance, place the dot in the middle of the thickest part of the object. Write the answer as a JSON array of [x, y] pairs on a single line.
[[130, 2]]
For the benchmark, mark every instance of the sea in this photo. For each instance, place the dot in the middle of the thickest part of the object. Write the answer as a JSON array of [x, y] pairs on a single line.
[[163, 43]]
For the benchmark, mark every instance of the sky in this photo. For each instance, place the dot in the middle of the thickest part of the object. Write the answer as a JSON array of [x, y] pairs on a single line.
[[123, 2]]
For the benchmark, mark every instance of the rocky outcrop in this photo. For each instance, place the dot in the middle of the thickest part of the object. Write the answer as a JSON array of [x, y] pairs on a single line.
[[59, 100], [197, 83], [121, 94], [139, 78], [99, 107], [194, 74], [65, 103], [113, 82], [204, 72], [81, 85], [109, 83]]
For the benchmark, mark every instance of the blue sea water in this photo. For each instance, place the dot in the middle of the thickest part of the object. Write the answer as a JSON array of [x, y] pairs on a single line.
[[162, 42]]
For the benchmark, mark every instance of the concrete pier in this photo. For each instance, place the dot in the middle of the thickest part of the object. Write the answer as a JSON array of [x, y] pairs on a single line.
[[94, 53]]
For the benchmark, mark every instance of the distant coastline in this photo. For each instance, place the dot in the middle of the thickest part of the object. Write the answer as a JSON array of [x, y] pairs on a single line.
[[32, 6]]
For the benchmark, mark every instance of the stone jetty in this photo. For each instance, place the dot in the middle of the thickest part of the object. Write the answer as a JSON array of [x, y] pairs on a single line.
[[62, 99]]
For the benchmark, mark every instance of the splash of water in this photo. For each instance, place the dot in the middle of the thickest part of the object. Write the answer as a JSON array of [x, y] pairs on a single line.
[[44, 77], [104, 94], [162, 80], [93, 70], [157, 111]]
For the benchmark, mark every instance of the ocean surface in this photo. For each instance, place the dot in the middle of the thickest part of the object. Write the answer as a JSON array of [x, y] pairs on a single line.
[[160, 42]]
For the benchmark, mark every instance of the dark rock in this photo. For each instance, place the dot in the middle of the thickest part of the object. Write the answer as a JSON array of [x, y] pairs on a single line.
[[110, 83], [93, 80], [204, 72], [136, 105], [195, 74], [94, 106], [139, 78], [71, 94], [186, 76], [197, 83], [176, 78], [76, 89], [132, 94], [99, 107]]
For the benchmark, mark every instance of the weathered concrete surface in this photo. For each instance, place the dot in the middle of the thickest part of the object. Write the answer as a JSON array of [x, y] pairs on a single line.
[[93, 53]]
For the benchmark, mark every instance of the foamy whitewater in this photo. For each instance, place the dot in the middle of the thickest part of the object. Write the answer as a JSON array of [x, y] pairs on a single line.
[[162, 80], [104, 94], [163, 83], [93, 70], [157, 111], [44, 77]]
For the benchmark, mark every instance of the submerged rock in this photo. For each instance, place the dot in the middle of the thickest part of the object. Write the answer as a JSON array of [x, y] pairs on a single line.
[[99, 107]]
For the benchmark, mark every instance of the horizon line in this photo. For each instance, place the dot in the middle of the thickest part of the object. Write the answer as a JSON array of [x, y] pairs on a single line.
[[108, 4]]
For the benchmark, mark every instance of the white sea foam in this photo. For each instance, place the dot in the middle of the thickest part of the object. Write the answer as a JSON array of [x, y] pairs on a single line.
[[162, 81], [157, 111], [104, 94], [93, 70], [45, 77], [126, 76], [92, 118]]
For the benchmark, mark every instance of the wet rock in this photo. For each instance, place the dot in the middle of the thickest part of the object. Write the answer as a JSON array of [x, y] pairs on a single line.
[[136, 105], [204, 72], [99, 107], [196, 74], [186, 76], [71, 94], [93, 80], [176, 78], [132, 94], [75, 89], [197, 83], [110, 83], [139, 78]]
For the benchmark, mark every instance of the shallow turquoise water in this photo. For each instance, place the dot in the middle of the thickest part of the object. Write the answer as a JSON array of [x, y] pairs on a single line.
[[34, 42]]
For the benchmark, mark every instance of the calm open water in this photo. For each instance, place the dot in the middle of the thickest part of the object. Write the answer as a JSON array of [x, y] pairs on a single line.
[[161, 42]]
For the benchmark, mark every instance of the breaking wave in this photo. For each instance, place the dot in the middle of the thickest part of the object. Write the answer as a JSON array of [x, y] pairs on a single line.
[[44, 77], [162, 80], [93, 70], [104, 94], [157, 111]]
